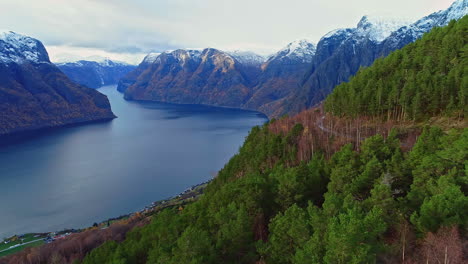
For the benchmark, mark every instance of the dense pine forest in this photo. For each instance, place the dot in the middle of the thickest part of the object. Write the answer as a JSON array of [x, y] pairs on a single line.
[[357, 207], [374, 200], [426, 78], [373, 204]]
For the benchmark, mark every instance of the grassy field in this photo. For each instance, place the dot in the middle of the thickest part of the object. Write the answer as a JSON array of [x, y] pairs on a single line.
[[19, 248]]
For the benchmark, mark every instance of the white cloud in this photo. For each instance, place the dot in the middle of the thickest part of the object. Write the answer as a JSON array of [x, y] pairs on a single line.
[[141, 26], [70, 53]]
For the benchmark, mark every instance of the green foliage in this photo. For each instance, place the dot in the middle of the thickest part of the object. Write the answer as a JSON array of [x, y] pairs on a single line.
[[423, 79], [289, 231], [353, 237], [447, 206]]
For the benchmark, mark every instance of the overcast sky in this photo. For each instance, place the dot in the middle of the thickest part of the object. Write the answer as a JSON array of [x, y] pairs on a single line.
[[128, 29]]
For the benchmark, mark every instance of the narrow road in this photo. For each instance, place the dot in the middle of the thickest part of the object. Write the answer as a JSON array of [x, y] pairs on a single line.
[[19, 245]]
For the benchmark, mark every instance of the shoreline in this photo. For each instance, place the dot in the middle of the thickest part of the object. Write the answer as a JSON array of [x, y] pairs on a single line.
[[189, 195]]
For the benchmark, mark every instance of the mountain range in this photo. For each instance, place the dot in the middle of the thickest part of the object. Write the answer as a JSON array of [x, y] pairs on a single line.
[[360, 47], [35, 94], [95, 74], [295, 78]]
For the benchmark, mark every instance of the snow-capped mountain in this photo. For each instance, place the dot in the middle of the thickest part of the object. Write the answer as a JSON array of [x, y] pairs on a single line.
[[95, 74], [411, 32], [341, 53], [280, 76], [17, 48], [299, 50], [378, 29], [295, 78], [247, 57], [35, 94], [151, 57], [192, 76]]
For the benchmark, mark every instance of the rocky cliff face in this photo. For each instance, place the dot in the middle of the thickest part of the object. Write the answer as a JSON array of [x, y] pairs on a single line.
[[208, 76], [35, 94], [280, 76], [95, 74]]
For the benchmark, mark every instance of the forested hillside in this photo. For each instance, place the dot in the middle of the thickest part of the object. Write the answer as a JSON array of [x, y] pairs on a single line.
[[357, 207], [424, 79], [276, 203]]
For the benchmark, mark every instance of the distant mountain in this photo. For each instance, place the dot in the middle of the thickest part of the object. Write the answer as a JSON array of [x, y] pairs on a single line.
[[35, 94], [280, 75], [295, 78], [131, 77], [247, 57], [342, 52], [208, 76], [235, 79], [95, 74]]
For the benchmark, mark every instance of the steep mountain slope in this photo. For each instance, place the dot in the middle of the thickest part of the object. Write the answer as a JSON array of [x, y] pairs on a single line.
[[280, 76], [131, 77], [95, 74], [206, 76], [357, 47], [35, 94], [393, 88]]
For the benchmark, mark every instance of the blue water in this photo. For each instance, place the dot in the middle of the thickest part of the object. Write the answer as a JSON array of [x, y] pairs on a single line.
[[72, 177]]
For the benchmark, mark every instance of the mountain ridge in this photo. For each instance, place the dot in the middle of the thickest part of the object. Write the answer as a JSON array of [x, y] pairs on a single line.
[[35, 94], [95, 74]]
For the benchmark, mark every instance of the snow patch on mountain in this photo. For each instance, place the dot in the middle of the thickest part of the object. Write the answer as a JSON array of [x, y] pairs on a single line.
[[151, 57], [378, 29], [303, 50], [457, 10], [438, 19], [247, 57], [98, 60], [336, 32], [19, 48]]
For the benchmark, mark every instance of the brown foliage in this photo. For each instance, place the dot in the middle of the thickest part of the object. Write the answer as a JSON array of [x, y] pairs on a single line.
[[327, 133], [444, 247]]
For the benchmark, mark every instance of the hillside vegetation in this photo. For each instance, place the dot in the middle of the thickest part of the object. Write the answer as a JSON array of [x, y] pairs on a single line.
[[426, 78], [356, 207], [269, 205]]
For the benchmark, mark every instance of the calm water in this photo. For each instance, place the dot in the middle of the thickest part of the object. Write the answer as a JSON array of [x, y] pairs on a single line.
[[73, 177]]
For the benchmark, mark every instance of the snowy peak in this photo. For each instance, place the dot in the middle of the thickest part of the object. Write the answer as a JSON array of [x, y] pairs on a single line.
[[151, 57], [457, 10], [302, 50], [378, 29], [247, 57], [19, 48], [94, 60], [438, 19], [180, 55], [346, 32]]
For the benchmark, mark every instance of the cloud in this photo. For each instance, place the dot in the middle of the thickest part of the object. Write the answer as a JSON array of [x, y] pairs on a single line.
[[70, 53], [142, 26]]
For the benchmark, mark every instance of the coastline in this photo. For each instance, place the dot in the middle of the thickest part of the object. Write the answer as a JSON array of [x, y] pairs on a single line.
[[180, 200]]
